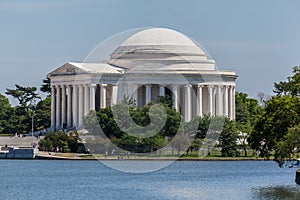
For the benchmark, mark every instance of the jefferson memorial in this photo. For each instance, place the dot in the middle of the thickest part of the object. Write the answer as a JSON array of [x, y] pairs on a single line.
[[149, 64]]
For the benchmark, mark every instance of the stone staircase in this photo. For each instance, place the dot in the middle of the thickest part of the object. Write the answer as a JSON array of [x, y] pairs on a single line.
[[18, 141]]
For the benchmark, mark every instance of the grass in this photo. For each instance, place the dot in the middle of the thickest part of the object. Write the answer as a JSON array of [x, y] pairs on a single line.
[[6, 135], [68, 155], [215, 155]]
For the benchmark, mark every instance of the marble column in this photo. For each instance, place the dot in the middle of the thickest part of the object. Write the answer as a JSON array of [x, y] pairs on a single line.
[[161, 90], [175, 97], [58, 107], [103, 95], [86, 99], [53, 106], [210, 99], [233, 103], [92, 96], [64, 106], [69, 107], [114, 95], [219, 101], [187, 103], [226, 101], [148, 93], [199, 101], [80, 107], [75, 106]]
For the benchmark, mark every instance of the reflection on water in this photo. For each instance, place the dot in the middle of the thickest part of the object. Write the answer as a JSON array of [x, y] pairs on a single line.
[[277, 192]]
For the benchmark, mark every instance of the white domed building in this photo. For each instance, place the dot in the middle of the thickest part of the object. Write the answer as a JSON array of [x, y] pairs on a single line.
[[150, 63]]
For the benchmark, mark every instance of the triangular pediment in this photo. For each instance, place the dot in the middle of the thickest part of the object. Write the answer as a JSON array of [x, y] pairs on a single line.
[[68, 69]]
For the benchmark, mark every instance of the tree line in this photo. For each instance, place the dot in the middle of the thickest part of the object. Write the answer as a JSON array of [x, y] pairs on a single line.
[[30, 106], [268, 126]]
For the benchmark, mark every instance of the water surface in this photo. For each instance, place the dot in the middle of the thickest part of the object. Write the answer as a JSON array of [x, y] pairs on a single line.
[[71, 180]]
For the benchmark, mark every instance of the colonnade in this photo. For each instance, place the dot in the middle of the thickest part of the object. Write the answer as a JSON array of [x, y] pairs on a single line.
[[190, 100], [70, 103]]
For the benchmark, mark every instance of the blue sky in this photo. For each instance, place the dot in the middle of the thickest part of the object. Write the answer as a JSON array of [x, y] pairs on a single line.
[[260, 40]]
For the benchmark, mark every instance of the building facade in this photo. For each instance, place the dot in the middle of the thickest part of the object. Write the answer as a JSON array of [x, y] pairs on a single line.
[[149, 64]]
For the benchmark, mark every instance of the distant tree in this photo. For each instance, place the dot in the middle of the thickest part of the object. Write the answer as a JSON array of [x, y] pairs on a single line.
[[291, 86], [288, 148], [262, 97], [7, 115], [68, 143], [247, 109], [45, 145], [172, 124], [46, 87], [43, 114], [203, 126], [228, 138], [181, 142], [165, 100], [280, 114], [195, 145], [140, 145], [108, 124], [25, 95]]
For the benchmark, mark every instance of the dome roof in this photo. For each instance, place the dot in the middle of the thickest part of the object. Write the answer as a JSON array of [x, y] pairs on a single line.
[[158, 36], [161, 45]]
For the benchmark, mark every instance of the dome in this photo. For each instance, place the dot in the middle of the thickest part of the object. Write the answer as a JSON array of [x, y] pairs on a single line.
[[158, 36], [163, 46]]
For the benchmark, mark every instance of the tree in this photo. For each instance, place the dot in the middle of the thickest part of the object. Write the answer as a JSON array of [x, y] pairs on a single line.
[[25, 110], [203, 127], [66, 143], [43, 114], [228, 138], [108, 124], [289, 147], [181, 142], [247, 112], [262, 97], [140, 145], [165, 100], [280, 114], [247, 109], [291, 86], [46, 87], [6, 115], [45, 145], [25, 95]]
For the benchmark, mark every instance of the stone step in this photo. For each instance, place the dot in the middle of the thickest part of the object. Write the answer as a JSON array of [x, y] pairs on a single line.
[[18, 141]]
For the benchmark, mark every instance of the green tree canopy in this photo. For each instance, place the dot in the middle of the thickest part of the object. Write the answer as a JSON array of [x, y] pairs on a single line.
[[228, 138], [6, 115], [289, 146], [66, 143], [280, 114], [291, 86], [43, 114], [46, 87], [23, 94], [247, 109]]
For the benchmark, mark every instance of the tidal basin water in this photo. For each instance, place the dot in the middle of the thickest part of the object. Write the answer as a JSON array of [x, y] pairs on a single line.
[[71, 180]]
